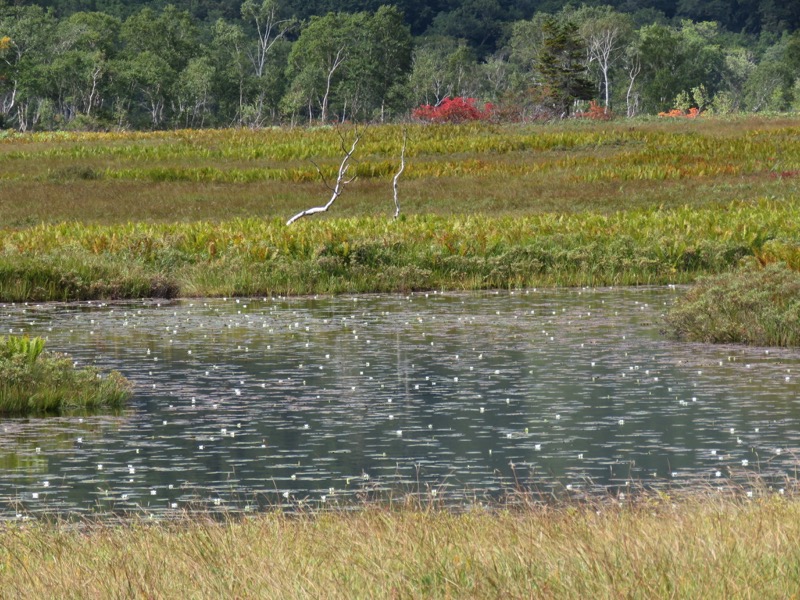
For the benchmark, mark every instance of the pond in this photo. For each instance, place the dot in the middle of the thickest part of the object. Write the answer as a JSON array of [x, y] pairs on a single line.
[[242, 404]]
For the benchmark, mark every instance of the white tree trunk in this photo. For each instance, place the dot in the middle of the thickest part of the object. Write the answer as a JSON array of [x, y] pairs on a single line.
[[633, 71], [399, 172], [341, 182], [335, 64]]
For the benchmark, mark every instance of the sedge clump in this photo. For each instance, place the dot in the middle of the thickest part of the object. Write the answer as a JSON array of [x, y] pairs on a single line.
[[35, 382]]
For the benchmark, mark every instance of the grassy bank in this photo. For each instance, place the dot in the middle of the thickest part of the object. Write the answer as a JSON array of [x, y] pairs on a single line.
[[257, 257], [704, 548], [759, 306], [35, 382]]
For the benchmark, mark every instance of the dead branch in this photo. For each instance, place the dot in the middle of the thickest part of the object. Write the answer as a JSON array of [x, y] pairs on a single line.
[[400, 172], [341, 181]]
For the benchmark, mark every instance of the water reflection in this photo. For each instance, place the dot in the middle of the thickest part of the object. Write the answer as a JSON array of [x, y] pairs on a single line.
[[241, 403]]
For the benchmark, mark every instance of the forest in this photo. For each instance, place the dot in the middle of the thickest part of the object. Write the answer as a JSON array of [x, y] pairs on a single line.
[[90, 65]]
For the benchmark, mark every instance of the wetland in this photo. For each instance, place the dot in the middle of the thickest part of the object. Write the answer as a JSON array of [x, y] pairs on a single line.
[[496, 437]]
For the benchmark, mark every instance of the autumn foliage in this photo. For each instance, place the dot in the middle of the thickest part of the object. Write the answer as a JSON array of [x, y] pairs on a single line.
[[453, 110], [692, 113], [596, 112]]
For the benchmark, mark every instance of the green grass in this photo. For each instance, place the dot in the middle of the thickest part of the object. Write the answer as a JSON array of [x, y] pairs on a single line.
[[758, 306], [257, 257], [712, 548], [202, 213], [34, 382]]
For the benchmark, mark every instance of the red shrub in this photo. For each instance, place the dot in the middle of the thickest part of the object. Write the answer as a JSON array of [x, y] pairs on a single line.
[[692, 113], [453, 110]]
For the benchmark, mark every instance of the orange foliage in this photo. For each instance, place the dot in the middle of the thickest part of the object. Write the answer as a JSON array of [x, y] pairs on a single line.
[[596, 113], [692, 113]]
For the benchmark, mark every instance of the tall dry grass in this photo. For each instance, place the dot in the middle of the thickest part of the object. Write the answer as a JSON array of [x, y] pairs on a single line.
[[707, 548]]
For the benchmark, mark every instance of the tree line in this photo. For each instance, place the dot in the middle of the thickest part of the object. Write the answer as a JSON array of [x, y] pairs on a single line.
[[275, 61]]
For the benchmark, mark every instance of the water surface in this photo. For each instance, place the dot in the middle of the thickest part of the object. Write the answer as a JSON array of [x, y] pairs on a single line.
[[246, 403]]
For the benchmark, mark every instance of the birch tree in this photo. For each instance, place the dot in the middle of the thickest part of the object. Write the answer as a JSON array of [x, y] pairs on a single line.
[[316, 60], [605, 33], [270, 28], [26, 46]]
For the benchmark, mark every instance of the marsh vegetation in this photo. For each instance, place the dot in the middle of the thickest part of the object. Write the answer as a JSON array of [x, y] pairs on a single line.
[[36, 382], [758, 306], [709, 547], [200, 213], [187, 213]]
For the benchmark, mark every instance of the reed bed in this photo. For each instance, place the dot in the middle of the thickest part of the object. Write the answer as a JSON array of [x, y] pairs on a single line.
[[707, 547]]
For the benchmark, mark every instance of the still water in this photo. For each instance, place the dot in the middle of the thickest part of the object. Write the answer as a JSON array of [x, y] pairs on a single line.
[[246, 403]]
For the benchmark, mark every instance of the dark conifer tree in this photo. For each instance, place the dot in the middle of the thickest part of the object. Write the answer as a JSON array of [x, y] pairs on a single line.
[[561, 66]]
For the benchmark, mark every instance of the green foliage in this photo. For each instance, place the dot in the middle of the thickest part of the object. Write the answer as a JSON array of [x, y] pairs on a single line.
[[560, 64], [257, 63], [82, 275], [676, 60], [22, 347], [257, 257], [354, 64], [479, 22]]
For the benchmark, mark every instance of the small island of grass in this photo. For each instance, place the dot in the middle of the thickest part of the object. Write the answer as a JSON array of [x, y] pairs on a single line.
[[756, 306], [35, 382]]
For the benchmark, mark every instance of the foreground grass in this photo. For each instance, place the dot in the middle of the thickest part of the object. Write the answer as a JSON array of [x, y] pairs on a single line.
[[705, 548], [257, 257], [33, 382], [759, 306]]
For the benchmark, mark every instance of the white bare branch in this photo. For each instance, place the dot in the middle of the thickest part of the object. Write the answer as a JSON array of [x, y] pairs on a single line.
[[400, 172], [341, 179], [333, 63], [634, 67]]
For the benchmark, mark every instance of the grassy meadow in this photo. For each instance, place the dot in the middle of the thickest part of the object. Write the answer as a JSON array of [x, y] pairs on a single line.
[[202, 213], [513, 170]]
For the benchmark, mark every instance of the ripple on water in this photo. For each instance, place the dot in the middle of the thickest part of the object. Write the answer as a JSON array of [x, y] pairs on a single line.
[[239, 402]]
